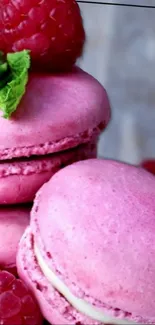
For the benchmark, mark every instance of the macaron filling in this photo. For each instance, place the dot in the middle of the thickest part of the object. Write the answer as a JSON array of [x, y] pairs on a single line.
[[80, 305]]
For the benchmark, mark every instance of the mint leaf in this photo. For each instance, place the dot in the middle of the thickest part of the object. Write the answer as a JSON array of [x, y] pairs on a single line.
[[13, 80], [3, 69]]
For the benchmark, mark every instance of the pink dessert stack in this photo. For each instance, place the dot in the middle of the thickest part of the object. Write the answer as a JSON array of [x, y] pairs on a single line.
[[77, 242], [51, 115]]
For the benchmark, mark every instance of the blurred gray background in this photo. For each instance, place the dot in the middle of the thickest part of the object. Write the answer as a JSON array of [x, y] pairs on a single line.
[[120, 53]]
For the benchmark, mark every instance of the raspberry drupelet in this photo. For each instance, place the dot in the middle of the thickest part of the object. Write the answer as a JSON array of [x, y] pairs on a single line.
[[17, 305], [52, 30]]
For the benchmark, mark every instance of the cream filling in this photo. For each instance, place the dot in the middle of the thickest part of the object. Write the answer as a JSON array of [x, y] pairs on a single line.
[[79, 304]]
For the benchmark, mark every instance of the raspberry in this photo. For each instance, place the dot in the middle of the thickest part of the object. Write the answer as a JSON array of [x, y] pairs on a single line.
[[51, 29], [12, 270], [149, 165], [17, 305]]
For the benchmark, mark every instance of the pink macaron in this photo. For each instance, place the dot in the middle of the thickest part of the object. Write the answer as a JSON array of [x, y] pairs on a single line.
[[57, 122], [13, 222], [89, 252]]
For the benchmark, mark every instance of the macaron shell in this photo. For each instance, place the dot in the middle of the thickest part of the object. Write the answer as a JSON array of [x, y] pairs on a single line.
[[13, 222], [107, 233], [53, 306], [20, 188], [20, 180], [54, 108]]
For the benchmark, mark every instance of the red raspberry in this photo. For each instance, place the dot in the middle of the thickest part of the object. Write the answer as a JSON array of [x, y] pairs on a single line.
[[12, 270], [149, 165], [17, 305], [51, 29]]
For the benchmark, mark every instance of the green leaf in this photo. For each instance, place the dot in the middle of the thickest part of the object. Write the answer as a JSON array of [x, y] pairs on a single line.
[[13, 80], [3, 69]]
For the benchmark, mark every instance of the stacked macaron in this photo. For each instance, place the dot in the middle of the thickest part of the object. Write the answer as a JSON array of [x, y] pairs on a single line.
[[13, 222], [51, 115], [90, 260], [57, 122], [51, 111]]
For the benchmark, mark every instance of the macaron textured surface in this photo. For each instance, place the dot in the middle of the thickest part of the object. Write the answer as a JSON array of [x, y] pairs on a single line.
[[57, 113], [13, 222], [93, 226], [21, 178]]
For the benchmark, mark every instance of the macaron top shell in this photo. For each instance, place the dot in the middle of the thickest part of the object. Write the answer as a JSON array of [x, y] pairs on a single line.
[[100, 215], [54, 109], [13, 222]]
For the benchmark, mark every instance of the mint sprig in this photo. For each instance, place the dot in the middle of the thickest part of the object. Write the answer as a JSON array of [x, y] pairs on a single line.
[[13, 80]]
